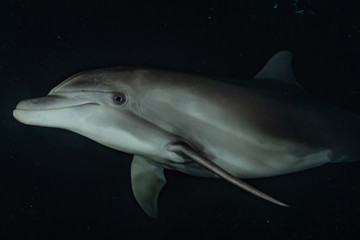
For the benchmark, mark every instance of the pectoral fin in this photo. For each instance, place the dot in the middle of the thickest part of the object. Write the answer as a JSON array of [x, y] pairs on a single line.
[[147, 181], [186, 151]]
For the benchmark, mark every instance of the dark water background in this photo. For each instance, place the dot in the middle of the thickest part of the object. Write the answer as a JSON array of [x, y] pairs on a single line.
[[55, 184]]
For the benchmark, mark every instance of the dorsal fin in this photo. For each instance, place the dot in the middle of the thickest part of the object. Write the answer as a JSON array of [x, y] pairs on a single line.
[[279, 68]]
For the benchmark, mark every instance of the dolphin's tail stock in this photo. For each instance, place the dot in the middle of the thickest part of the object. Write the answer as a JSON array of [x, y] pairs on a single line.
[[346, 158], [348, 141], [350, 154]]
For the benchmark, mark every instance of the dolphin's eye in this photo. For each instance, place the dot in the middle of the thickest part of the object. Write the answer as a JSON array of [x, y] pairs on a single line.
[[119, 98]]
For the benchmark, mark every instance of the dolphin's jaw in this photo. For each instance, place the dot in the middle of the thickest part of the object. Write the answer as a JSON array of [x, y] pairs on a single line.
[[55, 108], [48, 117], [50, 111], [52, 102]]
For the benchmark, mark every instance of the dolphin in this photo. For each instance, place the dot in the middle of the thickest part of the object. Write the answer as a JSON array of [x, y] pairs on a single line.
[[198, 125]]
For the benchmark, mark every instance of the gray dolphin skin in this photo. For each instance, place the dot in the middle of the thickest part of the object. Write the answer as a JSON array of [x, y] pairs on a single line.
[[199, 126]]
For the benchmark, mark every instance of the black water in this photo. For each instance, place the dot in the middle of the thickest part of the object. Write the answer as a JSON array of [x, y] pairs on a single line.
[[55, 184]]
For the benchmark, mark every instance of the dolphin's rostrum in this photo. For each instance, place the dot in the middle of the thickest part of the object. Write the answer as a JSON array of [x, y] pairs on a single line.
[[199, 126]]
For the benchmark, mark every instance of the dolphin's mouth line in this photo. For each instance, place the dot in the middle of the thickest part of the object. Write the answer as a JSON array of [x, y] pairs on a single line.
[[55, 108]]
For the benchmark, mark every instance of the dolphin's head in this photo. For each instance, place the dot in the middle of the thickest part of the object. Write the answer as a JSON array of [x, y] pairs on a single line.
[[102, 105]]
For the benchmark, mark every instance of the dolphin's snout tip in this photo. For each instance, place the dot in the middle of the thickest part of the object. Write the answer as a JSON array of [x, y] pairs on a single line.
[[19, 113], [20, 105], [16, 114]]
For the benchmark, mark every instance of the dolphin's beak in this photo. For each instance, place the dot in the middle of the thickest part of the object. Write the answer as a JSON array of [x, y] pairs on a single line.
[[45, 103], [37, 110]]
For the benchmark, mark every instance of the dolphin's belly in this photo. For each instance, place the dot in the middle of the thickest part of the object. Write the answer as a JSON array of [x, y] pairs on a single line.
[[264, 162], [262, 159]]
